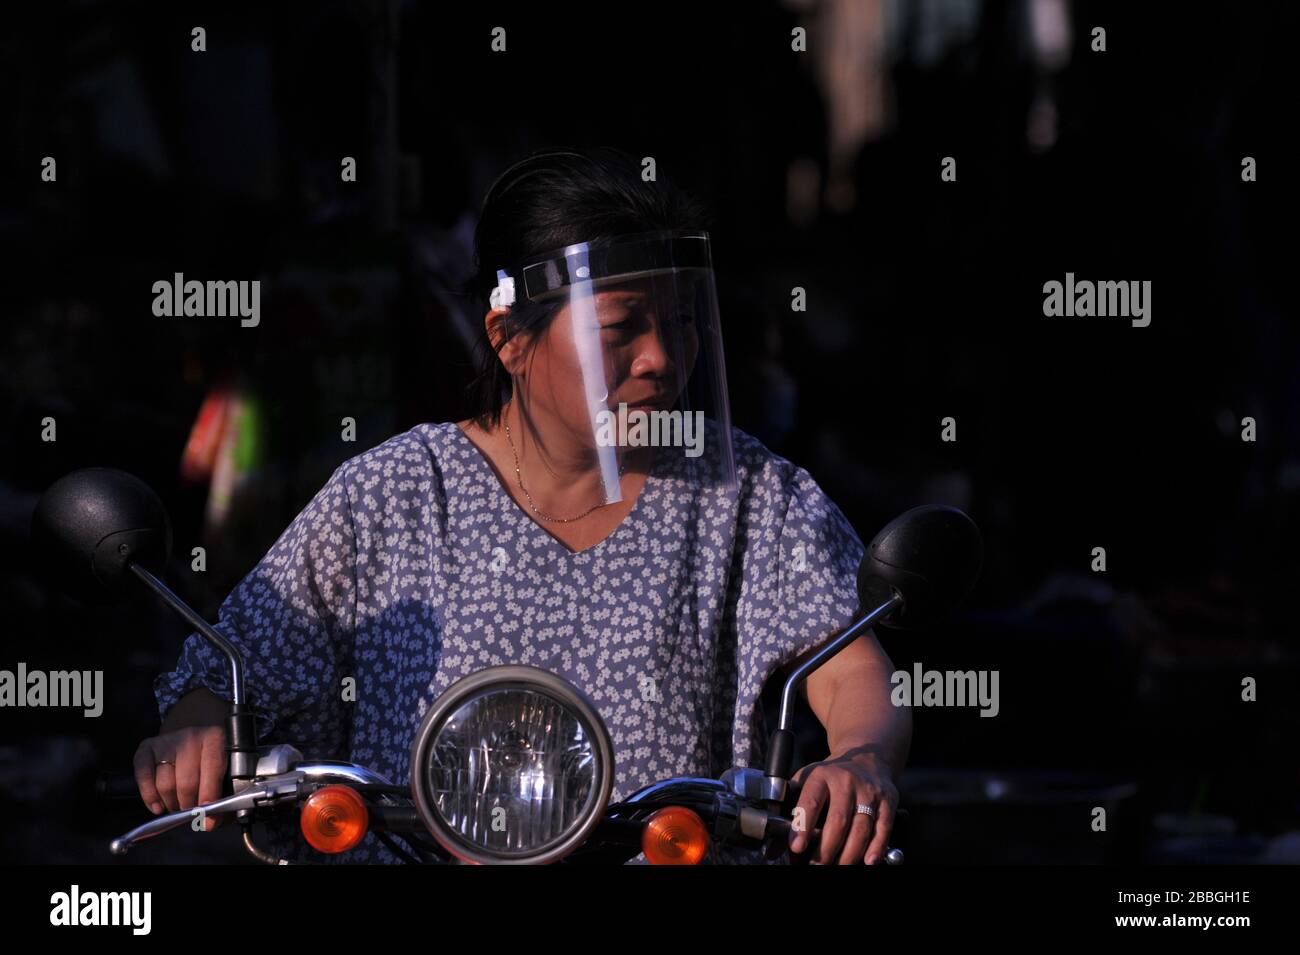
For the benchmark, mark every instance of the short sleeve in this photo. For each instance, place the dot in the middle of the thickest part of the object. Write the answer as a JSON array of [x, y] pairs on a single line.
[[799, 587], [292, 617]]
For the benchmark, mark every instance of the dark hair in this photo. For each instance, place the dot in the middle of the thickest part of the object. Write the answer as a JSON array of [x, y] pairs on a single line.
[[547, 201]]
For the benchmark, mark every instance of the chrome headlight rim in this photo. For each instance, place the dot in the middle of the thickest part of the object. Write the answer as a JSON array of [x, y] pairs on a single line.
[[497, 678]]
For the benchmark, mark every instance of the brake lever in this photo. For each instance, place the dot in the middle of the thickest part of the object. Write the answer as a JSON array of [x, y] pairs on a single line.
[[263, 792], [777, 839]]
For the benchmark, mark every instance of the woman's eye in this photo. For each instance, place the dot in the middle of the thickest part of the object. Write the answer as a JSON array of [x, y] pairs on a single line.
[[620, 319]]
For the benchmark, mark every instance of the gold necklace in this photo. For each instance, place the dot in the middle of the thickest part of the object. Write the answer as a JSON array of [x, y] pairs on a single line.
[[533, 504]]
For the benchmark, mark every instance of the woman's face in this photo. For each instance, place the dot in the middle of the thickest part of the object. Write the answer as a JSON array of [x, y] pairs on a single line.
[[633, 343]]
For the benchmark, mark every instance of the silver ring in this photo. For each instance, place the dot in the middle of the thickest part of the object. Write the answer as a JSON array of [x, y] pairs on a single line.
[[865, 810], [164, 762]]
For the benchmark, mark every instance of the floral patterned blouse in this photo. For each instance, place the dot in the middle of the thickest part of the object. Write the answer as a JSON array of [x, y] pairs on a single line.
[[413, 567]]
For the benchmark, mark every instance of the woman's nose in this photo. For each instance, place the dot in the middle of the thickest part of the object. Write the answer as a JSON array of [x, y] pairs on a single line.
[[654, 356]]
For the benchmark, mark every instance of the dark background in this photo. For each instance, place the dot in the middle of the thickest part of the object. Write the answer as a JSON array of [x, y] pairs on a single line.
[[1120, 689]]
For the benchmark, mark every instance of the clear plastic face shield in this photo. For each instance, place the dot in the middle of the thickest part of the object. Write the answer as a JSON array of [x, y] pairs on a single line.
[[630, 368]]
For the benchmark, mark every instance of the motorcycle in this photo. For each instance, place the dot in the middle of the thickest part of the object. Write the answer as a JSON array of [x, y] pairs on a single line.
[[511, 764]]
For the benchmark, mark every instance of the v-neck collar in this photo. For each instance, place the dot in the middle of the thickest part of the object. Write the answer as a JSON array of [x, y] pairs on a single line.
[[520, 514]]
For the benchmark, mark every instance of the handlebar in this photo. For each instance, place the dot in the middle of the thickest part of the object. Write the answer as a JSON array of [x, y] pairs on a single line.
[[620, 826]]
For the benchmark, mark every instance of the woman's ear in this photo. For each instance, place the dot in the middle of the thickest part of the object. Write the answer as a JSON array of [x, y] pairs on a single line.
[[509, 348]]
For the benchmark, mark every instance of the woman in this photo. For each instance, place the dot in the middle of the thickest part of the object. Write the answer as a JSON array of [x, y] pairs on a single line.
[[600, 519]]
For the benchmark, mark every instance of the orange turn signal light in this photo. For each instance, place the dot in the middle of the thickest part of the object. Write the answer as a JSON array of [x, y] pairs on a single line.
[[674, 835], [334, 819]]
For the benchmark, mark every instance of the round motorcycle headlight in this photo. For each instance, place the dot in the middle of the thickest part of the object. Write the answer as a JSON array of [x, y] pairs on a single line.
[[511, 765]]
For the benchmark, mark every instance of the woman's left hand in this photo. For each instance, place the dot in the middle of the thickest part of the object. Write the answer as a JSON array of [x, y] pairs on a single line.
[[839, 785]]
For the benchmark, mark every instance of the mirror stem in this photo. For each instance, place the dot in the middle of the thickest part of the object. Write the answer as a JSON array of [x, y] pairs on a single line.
[[780, 752], [816, 661], [241, 727], [201, 625]]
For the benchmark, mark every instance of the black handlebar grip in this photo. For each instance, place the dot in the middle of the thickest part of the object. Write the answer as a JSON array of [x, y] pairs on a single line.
[[115, 785]]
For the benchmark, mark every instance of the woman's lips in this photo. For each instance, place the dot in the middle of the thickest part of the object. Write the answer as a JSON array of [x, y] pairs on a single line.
[[648, 403]]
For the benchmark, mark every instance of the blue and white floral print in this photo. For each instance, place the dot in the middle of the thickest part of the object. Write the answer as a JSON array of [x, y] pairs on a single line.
[[413, 567]]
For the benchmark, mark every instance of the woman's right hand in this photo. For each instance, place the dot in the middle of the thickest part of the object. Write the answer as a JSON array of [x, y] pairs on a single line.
[[182, 769]]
